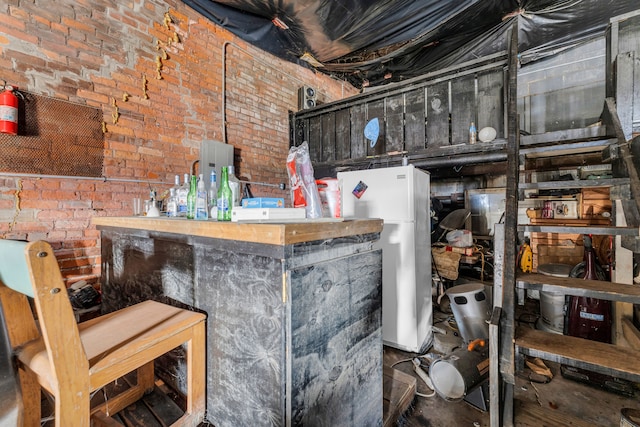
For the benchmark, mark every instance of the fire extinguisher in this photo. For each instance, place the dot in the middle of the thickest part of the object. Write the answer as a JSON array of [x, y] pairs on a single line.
[[8, 111]]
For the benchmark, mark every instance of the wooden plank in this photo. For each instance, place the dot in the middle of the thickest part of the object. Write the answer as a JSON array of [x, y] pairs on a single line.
[[463, 108], [394, 118], [415, 116], [600, 230], [507, 324], [490, 106], [622, 273], [358, 122], [138, 415], [100, 419], [438, 115], [315, 138], [273, 233], [566, 136], [494, 369], [636, 92], [580, 287], [301, 131], [595, 356], [631, 333], [343, 134], [328, 137], [529, 414], [162, 407], [399, 390], [588, 193], [376, 109]]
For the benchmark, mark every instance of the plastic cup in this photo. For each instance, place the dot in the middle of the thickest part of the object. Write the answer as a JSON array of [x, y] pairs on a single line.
[[137, 206]]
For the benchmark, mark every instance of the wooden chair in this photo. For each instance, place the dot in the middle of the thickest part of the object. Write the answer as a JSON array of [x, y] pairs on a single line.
[[71, 360]]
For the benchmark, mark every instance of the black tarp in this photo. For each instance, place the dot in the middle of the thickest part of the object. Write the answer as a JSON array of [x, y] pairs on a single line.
[[373, 42]]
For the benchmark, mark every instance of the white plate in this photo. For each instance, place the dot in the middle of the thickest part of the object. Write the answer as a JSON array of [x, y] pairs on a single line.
[[487, 134]]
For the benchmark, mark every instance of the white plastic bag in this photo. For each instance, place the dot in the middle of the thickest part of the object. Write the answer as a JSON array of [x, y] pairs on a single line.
[[460, 238], [304, 191]]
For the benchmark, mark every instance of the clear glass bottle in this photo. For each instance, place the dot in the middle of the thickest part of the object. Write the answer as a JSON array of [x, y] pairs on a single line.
[[172, 202], [234, 183], [191, 198], [202, 208], [213, 195], [473, 133], [225, 197], [181, 194]]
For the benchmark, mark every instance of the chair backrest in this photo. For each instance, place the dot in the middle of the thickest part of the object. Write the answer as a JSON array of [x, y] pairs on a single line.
[[31, 269], [14, 271]]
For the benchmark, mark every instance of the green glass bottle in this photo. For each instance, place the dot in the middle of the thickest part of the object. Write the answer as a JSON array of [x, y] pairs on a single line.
[[225, 197], [191, 198]]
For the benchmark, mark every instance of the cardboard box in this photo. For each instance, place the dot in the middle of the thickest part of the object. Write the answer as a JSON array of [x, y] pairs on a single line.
[[263, 202], [266, 214]]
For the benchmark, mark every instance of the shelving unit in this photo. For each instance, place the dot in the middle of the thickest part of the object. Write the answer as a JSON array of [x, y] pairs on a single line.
[[608, 359], [518, 342]]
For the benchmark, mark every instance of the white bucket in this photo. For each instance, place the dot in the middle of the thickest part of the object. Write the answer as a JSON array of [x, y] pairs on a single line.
[[552, 303], [454, 376], [551, 312]]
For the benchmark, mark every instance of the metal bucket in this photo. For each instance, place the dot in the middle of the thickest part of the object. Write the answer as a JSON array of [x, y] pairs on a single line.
[[552, 304], [456, 374], [471, 310]]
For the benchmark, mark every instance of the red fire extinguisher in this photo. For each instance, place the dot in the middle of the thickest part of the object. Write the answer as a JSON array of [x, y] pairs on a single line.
[[8, 111]]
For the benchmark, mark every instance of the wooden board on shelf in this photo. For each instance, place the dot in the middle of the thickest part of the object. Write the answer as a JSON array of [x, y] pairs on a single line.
[[575, 222], [599, 357], [399, 390], [581, 287]]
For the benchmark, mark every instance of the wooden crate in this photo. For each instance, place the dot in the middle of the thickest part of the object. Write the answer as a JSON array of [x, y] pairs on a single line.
[[595, 202], [558, 254], [565, 248]]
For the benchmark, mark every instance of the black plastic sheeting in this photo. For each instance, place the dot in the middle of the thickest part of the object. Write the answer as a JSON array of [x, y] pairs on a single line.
[[374, 42]]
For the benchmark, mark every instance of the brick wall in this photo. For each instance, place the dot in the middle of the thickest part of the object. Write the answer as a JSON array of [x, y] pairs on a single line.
[[92, 52]]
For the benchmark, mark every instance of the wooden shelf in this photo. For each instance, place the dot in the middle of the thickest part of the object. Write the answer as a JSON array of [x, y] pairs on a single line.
[[564, 136], [578, 183], [593, 229], [580, 287], [595, 356]]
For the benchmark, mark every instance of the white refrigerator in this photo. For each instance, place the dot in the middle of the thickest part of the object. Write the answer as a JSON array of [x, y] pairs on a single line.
[[401, 197]]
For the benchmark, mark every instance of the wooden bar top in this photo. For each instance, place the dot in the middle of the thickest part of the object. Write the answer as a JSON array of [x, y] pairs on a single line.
[[272, 233]]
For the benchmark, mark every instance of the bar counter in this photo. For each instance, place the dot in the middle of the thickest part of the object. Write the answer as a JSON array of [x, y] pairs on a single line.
[[294, 322]]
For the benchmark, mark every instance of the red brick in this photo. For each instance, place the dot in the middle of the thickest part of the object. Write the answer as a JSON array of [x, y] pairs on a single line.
[[154, 137]]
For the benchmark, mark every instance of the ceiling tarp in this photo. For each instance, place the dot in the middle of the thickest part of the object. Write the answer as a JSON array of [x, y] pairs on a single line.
[[373, 42]]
